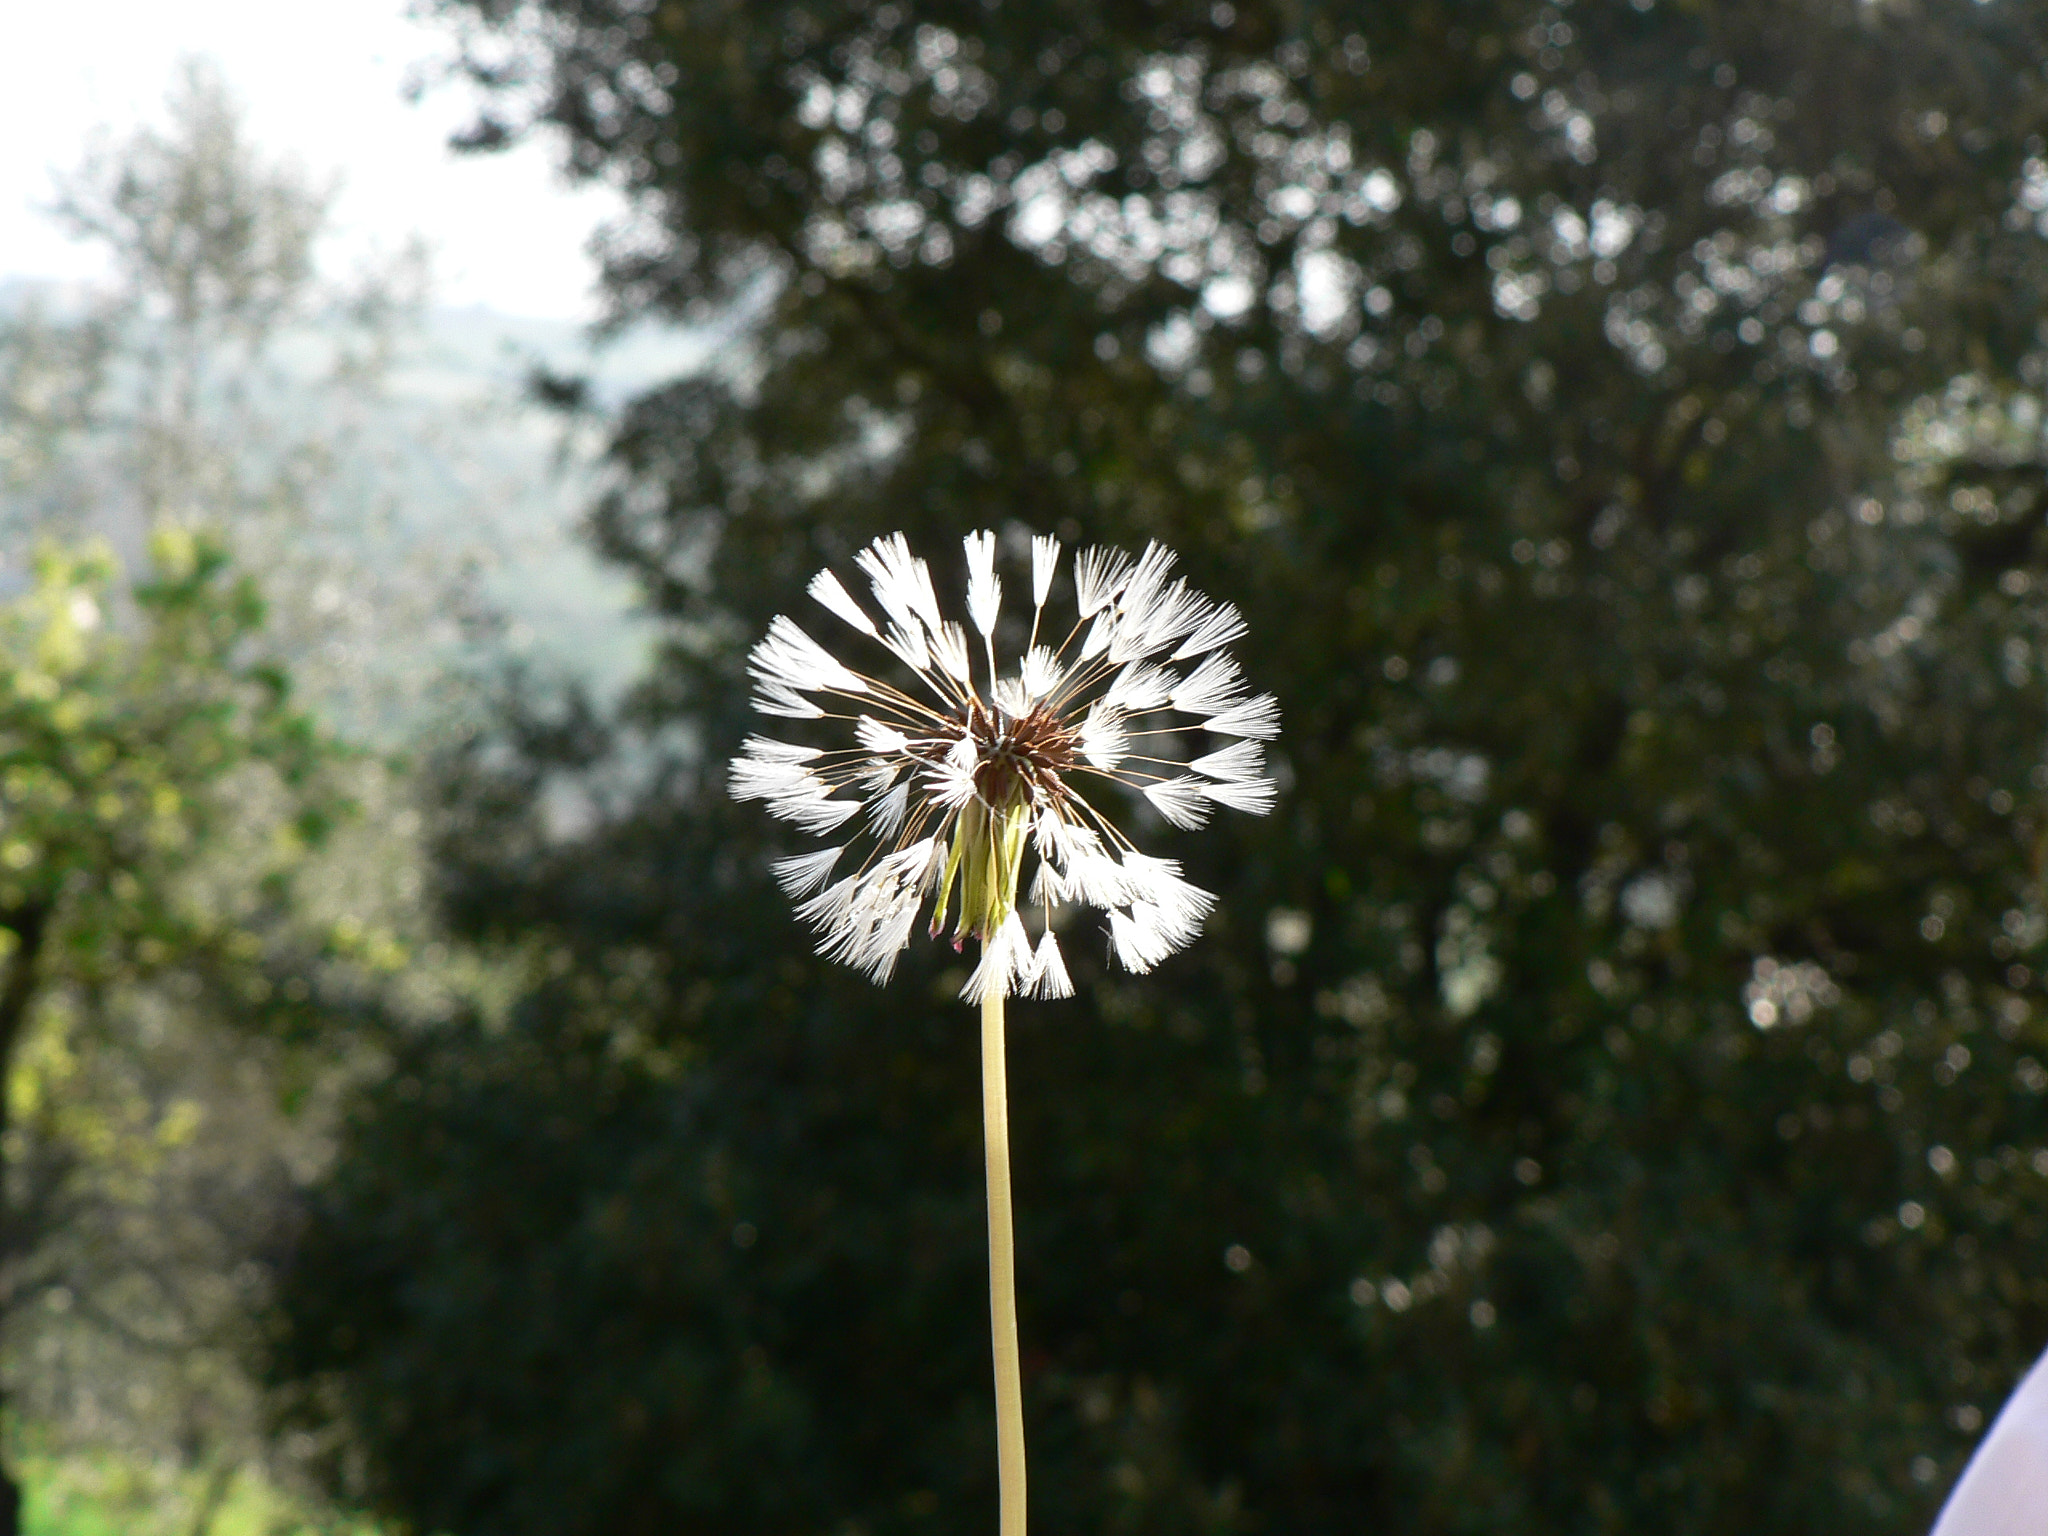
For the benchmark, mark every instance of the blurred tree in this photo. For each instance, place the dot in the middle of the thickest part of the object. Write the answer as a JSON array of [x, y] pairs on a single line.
[[221, 377], [219, 381], [123, 753], [1611, 1096]]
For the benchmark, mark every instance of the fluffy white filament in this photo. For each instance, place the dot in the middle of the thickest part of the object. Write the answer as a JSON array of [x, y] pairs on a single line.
[[1211, 688], [1180, 801], [802, 873], [1258, 718], [1239, 760], [1045, 559], [1041, 672], [984, 591], [1098, 577], [826, 589]]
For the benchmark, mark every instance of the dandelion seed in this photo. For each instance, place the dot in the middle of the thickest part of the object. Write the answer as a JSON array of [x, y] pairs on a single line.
[[1180, 801], [1214, 686], [984, 590], [949, 646], [803, 873], [1045, 559], [1041, 673], [1240, 760], [1259, 718], [1140, 687], [1098, 576], [1104, 741], [1252, 796], [1049, 971], [826, 589], [1219, 628]]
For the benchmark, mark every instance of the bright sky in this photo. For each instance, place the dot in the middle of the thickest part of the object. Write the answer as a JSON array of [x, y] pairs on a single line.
[[322, 84]]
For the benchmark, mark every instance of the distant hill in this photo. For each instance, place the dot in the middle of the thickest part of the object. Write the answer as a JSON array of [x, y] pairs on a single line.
[[528, 475], [454, 464]]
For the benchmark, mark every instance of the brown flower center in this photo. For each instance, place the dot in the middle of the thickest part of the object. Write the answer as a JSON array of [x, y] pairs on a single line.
[[1022, 756]]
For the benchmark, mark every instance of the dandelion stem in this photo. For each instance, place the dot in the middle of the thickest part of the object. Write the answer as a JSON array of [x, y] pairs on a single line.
[[1002, 1268]]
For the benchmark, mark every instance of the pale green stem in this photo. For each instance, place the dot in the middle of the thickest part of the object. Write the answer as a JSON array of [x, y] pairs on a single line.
[[1002, 1269]]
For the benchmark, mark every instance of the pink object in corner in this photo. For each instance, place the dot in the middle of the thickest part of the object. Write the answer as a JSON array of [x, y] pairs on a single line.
[[2004, 1489]]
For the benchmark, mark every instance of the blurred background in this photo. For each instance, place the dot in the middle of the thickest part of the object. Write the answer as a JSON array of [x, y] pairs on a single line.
[[1610, 1094]]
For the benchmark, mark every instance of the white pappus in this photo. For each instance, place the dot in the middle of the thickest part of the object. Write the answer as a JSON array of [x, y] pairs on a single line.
[[961, 767]]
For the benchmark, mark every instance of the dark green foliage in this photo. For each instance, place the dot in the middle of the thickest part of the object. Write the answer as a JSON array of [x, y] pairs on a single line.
[[1608, 1097]]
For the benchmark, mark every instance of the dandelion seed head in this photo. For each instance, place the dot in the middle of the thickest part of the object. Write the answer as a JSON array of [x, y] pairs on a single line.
[[963, 767]]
